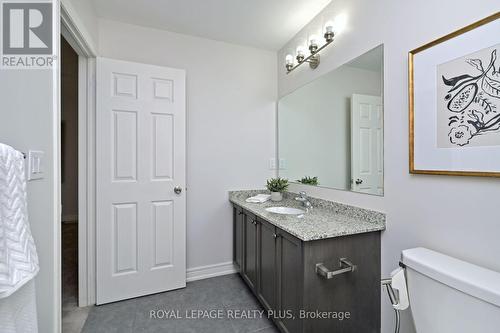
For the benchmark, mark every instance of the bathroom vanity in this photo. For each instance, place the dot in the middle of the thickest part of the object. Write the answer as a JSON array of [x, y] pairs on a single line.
[[320, 272], [325, 263]]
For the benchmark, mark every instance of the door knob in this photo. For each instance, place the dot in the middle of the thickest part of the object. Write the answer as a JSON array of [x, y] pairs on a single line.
[[177, 190], [359, 181]]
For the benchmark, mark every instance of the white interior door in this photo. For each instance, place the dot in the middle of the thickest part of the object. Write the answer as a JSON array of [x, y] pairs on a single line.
[[367, 146], [140, 145]]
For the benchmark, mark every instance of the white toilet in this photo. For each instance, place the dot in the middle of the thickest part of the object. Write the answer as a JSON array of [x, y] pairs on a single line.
[[448, 295]]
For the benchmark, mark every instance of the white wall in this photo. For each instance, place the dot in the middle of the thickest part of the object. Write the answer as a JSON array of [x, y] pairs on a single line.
[[315, 126], [231, 96], [450, 214], [28, 118], [26, 123]]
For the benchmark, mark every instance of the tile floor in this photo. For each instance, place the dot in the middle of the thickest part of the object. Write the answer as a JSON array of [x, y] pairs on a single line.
[[73, 317], [226, 293]]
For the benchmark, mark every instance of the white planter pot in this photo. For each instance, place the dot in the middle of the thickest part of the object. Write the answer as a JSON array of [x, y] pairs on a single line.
[[276, 196]]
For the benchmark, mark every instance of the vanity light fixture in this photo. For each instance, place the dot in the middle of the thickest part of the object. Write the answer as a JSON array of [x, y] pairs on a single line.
[[301, 54], [314, 48]]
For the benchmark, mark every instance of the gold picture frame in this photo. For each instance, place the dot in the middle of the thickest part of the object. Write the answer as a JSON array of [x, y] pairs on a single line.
[[411, 101]]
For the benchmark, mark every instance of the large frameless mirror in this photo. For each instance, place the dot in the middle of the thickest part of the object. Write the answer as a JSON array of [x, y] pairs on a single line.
[[331, 130]]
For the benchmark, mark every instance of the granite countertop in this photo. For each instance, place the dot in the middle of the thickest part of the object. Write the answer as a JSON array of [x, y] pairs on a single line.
[[326, 220]]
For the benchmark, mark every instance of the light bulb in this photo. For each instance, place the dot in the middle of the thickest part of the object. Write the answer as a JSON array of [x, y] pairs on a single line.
[[313, 40], [329, 34], [313, 44], [289, 62], [301, 54], [329, 26]]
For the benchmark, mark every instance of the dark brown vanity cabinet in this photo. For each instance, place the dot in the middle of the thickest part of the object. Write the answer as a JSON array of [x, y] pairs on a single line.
[[267, 268], [280, 269], [290, 287], [249, 270], [238, 217]]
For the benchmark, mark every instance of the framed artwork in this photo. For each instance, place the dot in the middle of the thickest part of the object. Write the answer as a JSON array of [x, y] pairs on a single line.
[[454, 102]]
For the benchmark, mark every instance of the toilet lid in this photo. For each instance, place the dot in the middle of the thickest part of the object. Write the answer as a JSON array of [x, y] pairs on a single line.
[[466, 277]]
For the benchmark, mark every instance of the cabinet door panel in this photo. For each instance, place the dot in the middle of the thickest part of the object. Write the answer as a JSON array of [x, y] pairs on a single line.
[[238, 219], [357, 293], [250, 250], [290, 285], [267, 264]]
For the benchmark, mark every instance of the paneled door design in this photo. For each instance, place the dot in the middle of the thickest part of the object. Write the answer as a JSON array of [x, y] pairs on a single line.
[[367, 144], [141, 203]]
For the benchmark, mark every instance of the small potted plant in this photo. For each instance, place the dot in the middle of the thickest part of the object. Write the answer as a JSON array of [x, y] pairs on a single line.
[[277, 186], [309, 181]]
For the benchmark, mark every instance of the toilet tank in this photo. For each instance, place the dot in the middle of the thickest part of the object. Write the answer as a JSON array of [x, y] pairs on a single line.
[[448, 295]]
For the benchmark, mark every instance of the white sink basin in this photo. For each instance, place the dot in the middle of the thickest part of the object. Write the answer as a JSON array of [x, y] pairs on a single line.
[[285, 210]]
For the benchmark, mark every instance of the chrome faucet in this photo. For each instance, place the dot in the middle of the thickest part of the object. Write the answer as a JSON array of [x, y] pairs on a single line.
[[305, 200]]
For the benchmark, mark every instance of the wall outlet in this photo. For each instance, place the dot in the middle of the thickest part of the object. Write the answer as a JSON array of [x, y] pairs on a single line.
[[272, 164], [35, 164]]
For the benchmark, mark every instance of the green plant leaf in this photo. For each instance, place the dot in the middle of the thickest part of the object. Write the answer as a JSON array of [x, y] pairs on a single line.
[[277, 184], [309, 180]]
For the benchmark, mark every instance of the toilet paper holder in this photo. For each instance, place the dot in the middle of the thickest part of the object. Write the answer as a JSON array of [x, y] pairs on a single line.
[[345, 267]]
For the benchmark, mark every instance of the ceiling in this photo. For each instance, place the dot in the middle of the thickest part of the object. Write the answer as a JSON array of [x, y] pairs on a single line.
[[266, 24]]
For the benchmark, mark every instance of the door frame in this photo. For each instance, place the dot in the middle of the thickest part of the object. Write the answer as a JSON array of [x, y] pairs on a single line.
[[86, 153]]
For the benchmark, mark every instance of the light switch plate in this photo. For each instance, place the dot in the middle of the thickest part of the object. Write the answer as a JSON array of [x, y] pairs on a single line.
[[282, 164], [272, 164], [35, 164]]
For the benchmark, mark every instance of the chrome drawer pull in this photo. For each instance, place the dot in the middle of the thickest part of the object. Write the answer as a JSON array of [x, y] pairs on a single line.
[[345, 267]]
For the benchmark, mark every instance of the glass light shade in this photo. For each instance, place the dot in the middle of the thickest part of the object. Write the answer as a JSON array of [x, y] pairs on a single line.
[[301, 51], [289, 59], [313, 40], [329, 26]]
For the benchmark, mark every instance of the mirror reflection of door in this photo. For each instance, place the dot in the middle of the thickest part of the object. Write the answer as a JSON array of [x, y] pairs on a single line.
[[367, 144]]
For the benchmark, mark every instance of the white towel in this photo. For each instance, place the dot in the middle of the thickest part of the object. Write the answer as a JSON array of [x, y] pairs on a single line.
[[18, 311], [259, 198], [18, 257]]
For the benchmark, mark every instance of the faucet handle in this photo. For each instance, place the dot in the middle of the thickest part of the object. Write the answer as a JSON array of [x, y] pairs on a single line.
[[302, 197]]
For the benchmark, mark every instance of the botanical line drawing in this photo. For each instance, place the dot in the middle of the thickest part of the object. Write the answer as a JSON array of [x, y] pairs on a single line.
[[474, 100]]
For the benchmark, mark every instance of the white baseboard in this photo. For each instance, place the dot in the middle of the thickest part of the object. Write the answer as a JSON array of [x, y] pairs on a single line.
[[205, 272], [69, 218]]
